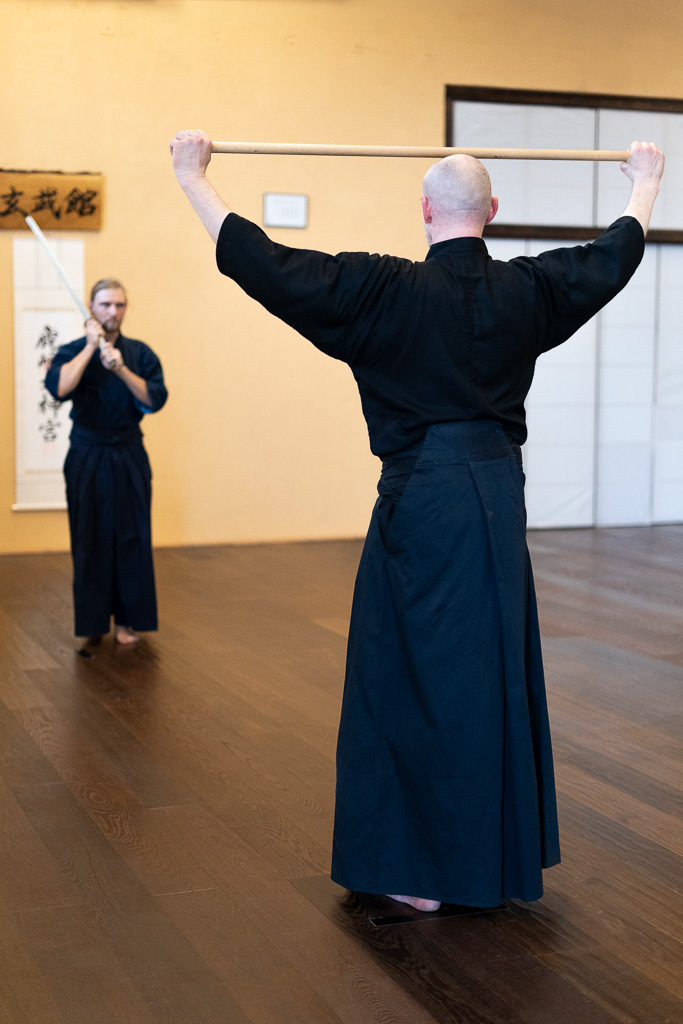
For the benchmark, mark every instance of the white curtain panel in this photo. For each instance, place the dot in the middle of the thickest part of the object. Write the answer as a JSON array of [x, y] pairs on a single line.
[[667, 497], [560, 452], [617, 129], [533, 191], [625, 400]]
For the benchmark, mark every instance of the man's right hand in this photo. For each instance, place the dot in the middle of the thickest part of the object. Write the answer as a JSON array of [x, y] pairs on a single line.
[[93, 332], [191, 152], [644, 167], [645, 161]]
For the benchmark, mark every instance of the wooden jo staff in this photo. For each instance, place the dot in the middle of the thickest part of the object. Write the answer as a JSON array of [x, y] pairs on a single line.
[[431, 152]]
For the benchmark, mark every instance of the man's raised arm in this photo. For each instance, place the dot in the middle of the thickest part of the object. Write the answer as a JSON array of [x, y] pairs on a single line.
[[191, 152], [644, 167]]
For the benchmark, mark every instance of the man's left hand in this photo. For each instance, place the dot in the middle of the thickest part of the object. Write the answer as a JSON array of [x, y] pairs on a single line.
[[111, 357]]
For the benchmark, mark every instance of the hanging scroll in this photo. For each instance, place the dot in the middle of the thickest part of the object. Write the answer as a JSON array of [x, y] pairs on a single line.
[[44, 319]]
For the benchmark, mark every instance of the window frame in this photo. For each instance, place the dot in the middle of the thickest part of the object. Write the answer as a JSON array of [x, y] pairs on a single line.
[[533, 97]]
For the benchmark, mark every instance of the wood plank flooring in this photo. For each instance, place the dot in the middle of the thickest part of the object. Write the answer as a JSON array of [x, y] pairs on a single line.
[[166, 811]]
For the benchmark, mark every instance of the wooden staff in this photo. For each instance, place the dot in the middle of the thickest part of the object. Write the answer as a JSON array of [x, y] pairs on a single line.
[[430, 152]]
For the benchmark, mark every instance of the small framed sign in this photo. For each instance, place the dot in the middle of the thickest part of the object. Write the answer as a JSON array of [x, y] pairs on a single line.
[[285, 210]]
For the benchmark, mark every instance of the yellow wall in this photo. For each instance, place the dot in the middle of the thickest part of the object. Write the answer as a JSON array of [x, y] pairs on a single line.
[[262, 437]]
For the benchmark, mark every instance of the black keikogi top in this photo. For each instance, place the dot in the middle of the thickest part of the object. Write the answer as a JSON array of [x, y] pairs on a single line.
[[102, 404], [454, 337]]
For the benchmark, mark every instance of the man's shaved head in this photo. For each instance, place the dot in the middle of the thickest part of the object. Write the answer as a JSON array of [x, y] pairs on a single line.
[[458, 185]]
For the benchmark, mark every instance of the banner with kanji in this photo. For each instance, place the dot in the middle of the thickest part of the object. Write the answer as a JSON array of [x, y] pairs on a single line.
[[45, 317], [56, 201]]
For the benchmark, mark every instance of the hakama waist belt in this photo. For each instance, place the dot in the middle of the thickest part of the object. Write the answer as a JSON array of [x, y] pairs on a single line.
[[444, 444], [81, 435]]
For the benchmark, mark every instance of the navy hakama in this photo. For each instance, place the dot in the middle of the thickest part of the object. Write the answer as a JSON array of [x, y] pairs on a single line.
[[445, 779], [444, 767], [109, 496]]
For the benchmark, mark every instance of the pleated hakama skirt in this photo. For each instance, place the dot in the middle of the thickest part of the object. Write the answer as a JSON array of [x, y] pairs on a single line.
[[109, 494], [445, 785]]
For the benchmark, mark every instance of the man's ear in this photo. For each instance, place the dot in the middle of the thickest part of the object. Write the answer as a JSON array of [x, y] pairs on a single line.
[[426, 210], [494, 209]]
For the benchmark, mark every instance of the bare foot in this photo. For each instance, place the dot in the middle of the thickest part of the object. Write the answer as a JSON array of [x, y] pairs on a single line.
[[427, 906], [125, 635]]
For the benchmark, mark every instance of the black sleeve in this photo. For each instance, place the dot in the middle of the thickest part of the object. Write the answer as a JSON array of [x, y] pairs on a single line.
[[577, 281], [309, 290], [151, 372], [63, 355]]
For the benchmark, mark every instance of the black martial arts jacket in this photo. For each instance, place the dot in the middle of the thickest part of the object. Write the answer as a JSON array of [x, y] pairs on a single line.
[[454, 337]]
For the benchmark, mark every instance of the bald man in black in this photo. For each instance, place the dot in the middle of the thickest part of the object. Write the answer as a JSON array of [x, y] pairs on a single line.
[[445, 784]]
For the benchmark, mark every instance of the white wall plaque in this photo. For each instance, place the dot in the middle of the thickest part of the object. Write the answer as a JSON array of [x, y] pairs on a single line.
[[285, 210]]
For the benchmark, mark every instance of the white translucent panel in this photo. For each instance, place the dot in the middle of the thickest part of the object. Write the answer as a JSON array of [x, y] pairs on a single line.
[[670, 388], [617, 129], [625, 385], [560, 451], [669, 461], [630, 346], [626, 365], [626, 379], [669, 359], [559, 463], [671, 287], [568, 384], [533, 191], [505, 248], [671, 300], [624, 477], [622, 504], [623, 463], [667, 500], [558, 506], [669, 425], [579, 350], [667, 505], [669, 385], [560, 423], [630, 424]]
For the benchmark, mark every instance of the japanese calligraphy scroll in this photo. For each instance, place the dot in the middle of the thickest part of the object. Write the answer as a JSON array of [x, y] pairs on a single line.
[[44, 318], [68, 202]]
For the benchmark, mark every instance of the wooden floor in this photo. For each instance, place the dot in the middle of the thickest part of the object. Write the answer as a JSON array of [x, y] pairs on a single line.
[[166, 811]]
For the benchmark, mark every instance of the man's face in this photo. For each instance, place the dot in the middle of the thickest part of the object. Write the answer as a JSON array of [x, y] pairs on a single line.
[[109, 307]]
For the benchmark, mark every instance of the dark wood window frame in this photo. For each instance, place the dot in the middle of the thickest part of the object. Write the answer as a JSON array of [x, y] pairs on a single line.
[[485, 94]]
